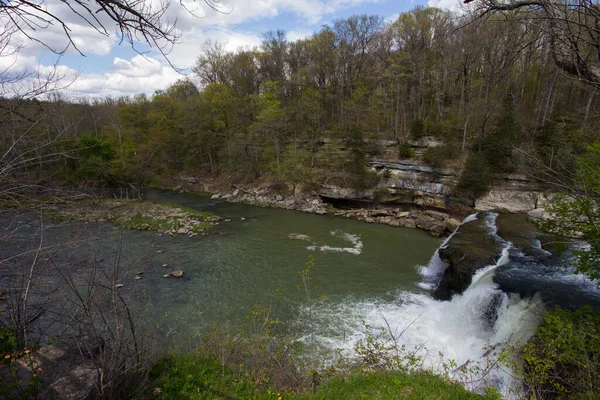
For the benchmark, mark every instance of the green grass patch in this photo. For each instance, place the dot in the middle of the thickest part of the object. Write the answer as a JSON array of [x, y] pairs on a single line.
[[394, 385], [187, 376]]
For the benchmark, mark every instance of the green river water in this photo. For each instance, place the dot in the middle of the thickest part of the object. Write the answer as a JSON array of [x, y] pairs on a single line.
[[244, 260]]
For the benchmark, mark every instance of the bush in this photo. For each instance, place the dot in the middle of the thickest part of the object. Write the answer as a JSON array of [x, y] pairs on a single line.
[[563, 358], [437, 156], [417, 129], [475, 179], [405, 151]]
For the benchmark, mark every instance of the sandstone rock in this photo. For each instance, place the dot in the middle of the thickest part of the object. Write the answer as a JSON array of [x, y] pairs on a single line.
[[471, 248], [437, 229], [425, 222], [452, 224], [403, 214], [440, 216], [177, 274], [385, 220], [538, 213], [508, 200], [381, 213], [410, 223]]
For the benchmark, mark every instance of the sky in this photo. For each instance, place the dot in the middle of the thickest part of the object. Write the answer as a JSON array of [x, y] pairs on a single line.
[[110, 68]]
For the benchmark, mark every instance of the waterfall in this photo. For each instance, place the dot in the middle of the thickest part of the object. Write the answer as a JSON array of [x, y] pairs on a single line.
[[434, 270], [459, 332]]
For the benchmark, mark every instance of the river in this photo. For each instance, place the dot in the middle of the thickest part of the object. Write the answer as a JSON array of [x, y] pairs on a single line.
[[371, 274]]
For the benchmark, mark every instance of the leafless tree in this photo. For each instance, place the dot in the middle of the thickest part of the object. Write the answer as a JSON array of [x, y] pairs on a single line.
[[571, 27], [135, 21]]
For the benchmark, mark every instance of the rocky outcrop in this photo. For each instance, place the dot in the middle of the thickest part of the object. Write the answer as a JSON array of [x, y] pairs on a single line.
[[511, 200], [472, 247], [434, 222]]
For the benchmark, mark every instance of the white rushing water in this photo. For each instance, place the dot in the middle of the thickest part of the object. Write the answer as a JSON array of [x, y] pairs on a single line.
[[443, 333], [356, 248]]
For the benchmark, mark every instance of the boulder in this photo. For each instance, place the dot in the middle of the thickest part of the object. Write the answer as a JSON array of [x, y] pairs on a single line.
[[410, 223], [472, 247], [215, 197], [177, 274], [440, 216], [279, 198], [452, 224], [236, 192], [403, 214], [536, 214], [507, 200], [425, 222]]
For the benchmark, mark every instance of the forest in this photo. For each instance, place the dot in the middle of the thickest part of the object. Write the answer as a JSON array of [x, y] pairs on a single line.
[[488, 88]]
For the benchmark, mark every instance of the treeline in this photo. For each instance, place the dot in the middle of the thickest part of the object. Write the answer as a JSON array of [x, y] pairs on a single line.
[[303, 111]]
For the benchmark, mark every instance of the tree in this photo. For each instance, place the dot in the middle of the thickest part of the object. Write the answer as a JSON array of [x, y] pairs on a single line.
[[134, 20], [571, 27]]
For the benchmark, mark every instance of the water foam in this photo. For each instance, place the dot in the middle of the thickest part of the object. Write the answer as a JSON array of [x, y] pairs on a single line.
[[354, 239]]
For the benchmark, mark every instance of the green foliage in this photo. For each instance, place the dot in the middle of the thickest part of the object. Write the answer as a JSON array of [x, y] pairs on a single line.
[[417, 129], [437, 156], [562, 360], [578, 213], [475, 179], [405, 151]]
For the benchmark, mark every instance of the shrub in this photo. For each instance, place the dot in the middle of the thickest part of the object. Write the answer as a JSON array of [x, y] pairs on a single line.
[[474, 181], [417, 129], [437, 156], [562, 360], [405, 151]]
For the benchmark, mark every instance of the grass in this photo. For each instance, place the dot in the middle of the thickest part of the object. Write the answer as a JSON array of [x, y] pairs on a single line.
[[393, 385], [186, 376]]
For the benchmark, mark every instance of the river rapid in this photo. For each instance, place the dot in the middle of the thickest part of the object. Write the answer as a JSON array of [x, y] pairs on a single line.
[[373, 276]]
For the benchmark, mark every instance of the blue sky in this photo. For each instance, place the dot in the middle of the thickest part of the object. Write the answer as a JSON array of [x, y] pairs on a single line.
[[108, 69]]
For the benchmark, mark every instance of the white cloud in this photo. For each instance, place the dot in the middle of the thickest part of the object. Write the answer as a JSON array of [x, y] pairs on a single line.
[[127, 76], [453, 5], [300, 34], [394, 17]]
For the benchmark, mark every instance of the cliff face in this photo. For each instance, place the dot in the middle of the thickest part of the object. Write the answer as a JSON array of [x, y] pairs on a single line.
[[412, 183]]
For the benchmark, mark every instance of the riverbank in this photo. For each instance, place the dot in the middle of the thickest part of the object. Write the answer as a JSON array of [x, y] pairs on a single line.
[[266, 194], [162, 217]]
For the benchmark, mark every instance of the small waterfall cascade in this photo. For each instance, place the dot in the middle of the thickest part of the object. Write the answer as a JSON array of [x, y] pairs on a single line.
[[456, 337]]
